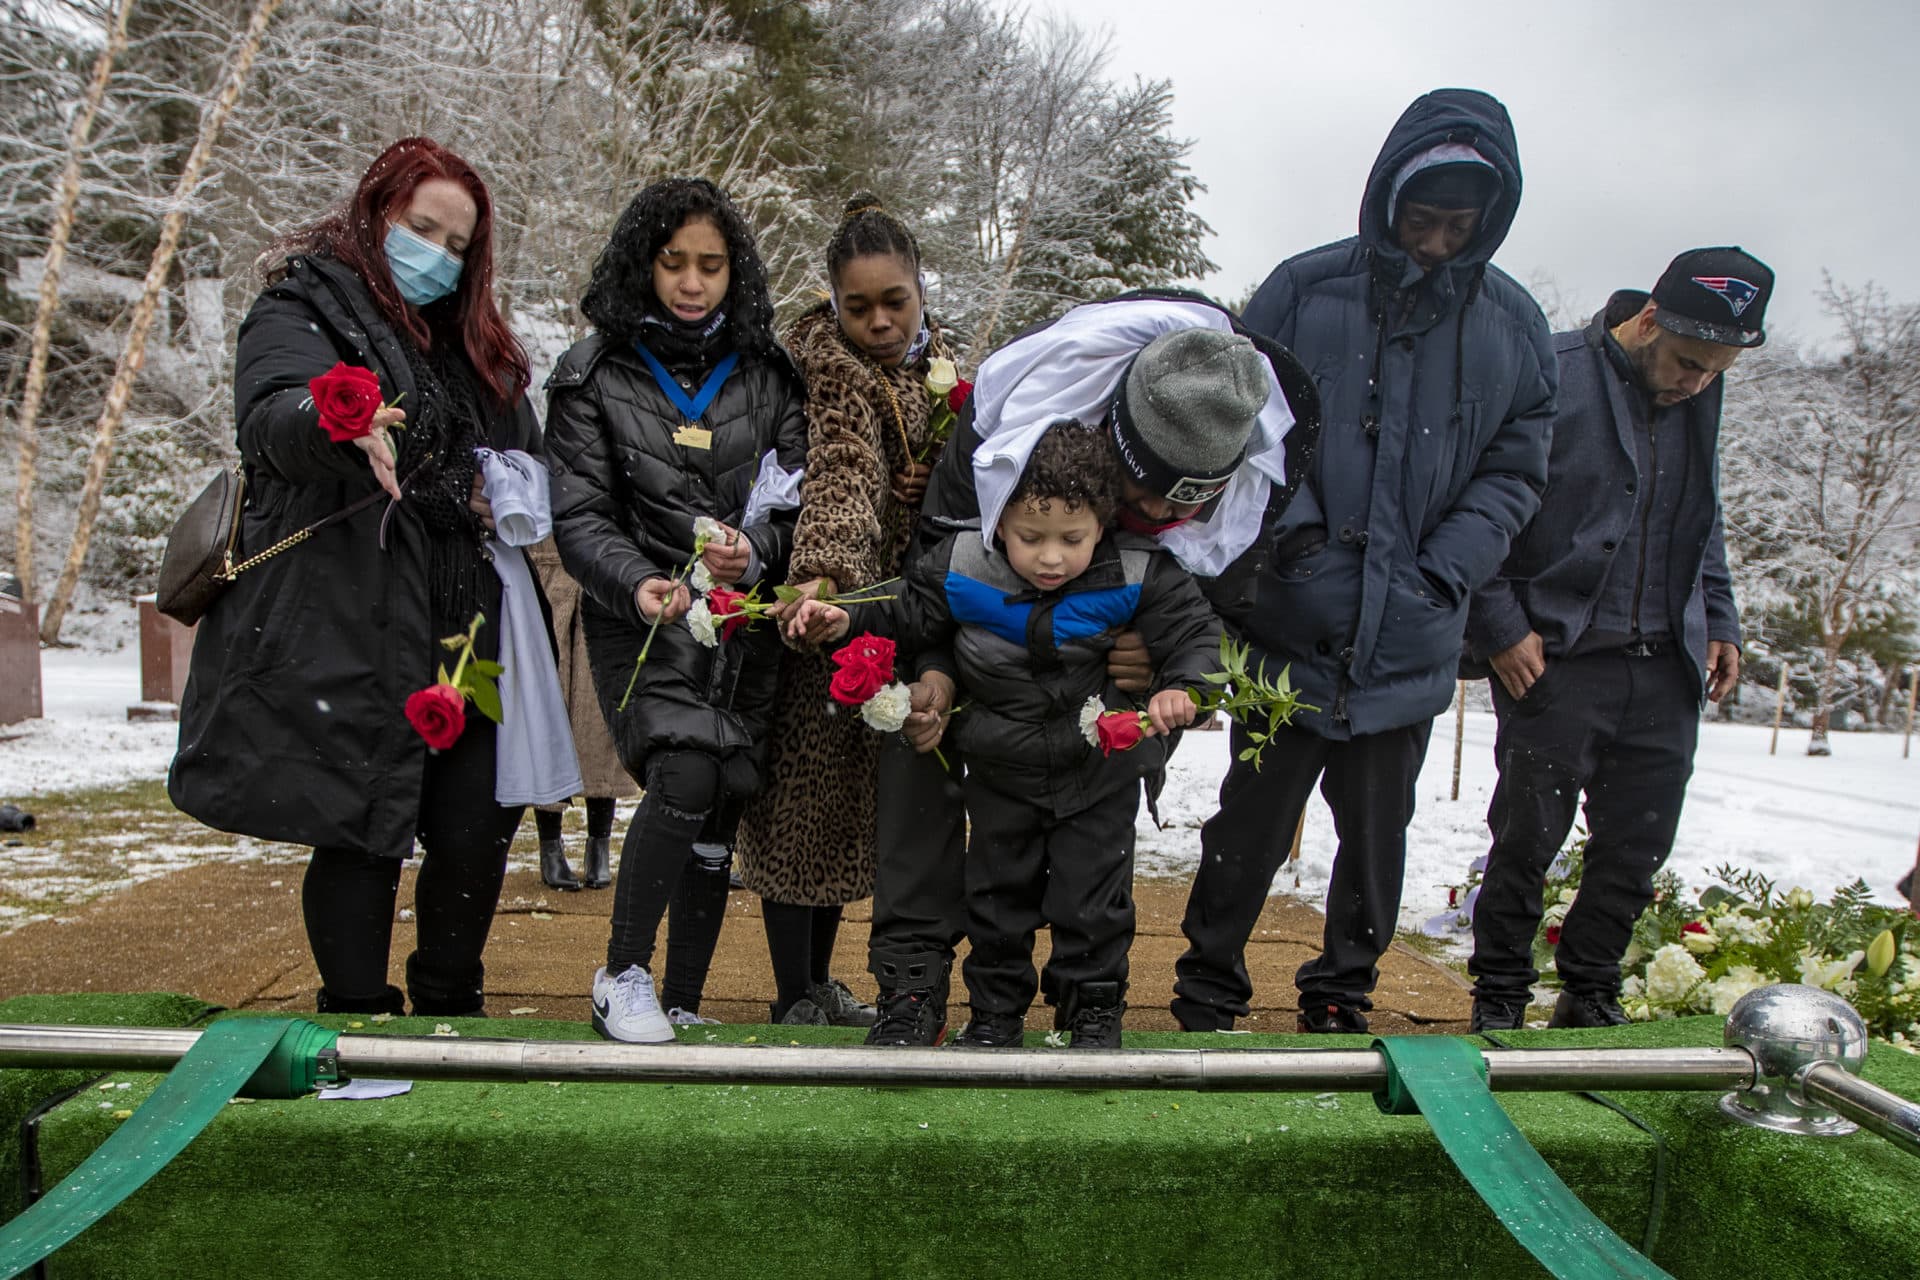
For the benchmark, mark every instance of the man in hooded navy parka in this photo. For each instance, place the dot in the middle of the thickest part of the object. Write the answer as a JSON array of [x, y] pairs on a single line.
[[1436, 374]]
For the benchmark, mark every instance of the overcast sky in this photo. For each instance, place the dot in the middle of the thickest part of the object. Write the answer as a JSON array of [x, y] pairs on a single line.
[[1644, 129]]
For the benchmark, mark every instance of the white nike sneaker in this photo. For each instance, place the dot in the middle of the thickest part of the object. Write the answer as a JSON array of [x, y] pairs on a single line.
[[688, 1018], [625, 1008]]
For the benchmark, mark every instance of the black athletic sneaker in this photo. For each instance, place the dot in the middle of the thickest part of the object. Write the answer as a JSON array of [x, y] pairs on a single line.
[[1325, 1019], [992, 1031], [909, 1018], [1496, 1013], [1587, 1009]]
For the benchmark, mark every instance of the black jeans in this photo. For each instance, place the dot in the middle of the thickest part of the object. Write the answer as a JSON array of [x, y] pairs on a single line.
[[919, 890], [348, 896], [663, 874], [1025, 868], [1369, 783], [1623, 730]]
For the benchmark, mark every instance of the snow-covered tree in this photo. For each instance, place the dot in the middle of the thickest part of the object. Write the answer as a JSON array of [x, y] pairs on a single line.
[[1820, 468]]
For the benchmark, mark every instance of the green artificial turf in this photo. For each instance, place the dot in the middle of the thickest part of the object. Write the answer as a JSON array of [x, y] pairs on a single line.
[[692, 1181], [22, 1092]]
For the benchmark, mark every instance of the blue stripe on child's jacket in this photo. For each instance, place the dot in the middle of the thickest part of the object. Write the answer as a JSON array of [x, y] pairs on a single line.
[[1075, 617]]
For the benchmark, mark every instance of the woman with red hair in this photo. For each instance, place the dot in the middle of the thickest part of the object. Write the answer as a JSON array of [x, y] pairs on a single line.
[[294, 724]]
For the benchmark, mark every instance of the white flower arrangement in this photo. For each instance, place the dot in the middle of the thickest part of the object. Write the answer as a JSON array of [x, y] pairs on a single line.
[[1672, 975], [1819, 971], [887, 709], [700, 622], [1729, 987]]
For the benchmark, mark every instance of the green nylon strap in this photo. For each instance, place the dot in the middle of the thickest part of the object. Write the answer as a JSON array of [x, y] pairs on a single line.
[[221, 1062], [1444, 1079], [1662, 1155]]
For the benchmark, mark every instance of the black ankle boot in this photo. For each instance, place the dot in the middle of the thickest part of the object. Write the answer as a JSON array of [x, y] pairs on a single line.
[[554, 871], [389, 1001], [599, 865], [1094, 1012]]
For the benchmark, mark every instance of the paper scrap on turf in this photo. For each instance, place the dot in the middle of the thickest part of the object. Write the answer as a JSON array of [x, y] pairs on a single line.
[[356, 1090]]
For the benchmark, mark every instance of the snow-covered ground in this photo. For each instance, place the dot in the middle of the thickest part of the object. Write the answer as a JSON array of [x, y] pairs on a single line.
[[84, 738], [1818, 823]]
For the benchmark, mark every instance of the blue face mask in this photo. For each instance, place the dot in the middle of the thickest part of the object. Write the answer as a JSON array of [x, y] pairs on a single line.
[[422, 270]]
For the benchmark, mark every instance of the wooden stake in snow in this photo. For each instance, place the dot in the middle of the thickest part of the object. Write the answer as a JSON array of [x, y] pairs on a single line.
[[212, 120], [66, 201], [1913, 685], [1779, 706], [1459, 733]]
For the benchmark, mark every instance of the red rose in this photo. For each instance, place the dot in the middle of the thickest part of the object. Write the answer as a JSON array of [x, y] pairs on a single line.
[[438, 713], [1118, 731], [866, 667], [727, 609], [958, 393], [1553, 935], [1693, 926], [347, 398]]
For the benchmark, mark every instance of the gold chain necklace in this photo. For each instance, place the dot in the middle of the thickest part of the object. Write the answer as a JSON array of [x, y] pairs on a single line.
[[899, 417]]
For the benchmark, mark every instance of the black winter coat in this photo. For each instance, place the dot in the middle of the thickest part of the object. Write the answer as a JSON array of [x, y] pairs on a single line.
[[625, 495], [293, 724], [1027, 660], [1436, 394], [1551, 580]]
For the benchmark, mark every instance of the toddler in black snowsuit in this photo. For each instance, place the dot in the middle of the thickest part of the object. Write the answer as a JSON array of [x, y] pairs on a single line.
[[1026, 616]]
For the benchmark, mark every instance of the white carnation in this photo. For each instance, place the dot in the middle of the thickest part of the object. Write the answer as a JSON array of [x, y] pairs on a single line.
[[1671, 975], [887, 710], [702, 576], [700, 622], [1737, 981], [1090, 714], [706, 529], [1739, 927]]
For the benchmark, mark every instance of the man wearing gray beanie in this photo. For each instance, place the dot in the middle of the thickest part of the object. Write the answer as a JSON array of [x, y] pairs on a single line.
[[1436, 376], [1212, 426]]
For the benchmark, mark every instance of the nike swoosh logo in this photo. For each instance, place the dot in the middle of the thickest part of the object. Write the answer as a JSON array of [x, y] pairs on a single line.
[[602, 1008]]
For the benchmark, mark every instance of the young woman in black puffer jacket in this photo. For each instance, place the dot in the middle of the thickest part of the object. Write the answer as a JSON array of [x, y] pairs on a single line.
[[675, 410]]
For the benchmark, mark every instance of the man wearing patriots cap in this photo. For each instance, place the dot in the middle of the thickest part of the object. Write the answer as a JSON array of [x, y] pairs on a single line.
[[1611, 620]]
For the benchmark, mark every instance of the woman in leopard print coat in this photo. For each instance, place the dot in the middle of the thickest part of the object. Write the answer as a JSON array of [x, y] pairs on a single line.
[[806, 843]]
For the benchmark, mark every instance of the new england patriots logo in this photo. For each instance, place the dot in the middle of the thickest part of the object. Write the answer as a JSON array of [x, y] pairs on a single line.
[[1737, 293]]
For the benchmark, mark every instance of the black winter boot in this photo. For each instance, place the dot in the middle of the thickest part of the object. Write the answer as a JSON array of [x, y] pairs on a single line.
[[1498, 1013], [988, 1030], [1094, 1011], [912, 1009], [599, 865], [1587, 1009], [554, 871], [389, 1001], [1331, 1019]]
